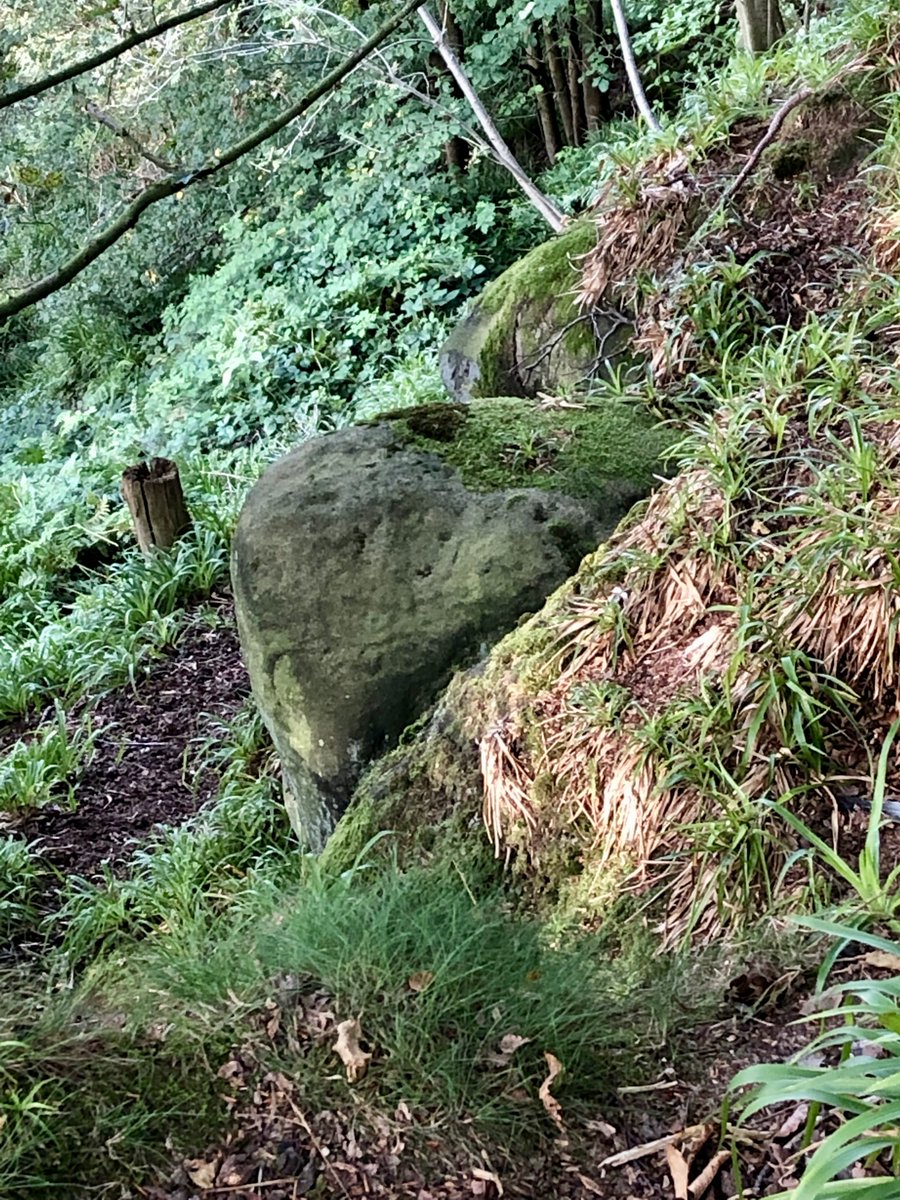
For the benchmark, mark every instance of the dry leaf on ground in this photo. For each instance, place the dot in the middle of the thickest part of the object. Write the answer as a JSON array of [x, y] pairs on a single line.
[[420, 980], [488, 1177], [551, 1105], [510, 1043], [705, 1178], [678, 1169], [792, 1124], [882, 958], [201, 1172], [348, 1049]]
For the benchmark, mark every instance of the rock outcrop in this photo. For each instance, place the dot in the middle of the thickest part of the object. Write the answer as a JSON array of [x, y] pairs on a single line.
[[370, 563], [526, 335]]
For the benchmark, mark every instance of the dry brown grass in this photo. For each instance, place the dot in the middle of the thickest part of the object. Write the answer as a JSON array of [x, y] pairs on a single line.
[[664, 621], [637, 237], [885, 235]]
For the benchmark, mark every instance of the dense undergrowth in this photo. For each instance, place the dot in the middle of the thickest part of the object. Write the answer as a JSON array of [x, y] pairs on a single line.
[[133, 990]]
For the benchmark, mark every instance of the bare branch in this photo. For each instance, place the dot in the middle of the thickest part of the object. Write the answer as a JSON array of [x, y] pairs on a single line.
[[631, 67], [542, 203], [104, 56], [771, 133], [178, 182], [120, 131]]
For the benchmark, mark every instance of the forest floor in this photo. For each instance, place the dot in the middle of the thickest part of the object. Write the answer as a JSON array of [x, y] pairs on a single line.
[[283, 1121], [142, 772], [145, 772]]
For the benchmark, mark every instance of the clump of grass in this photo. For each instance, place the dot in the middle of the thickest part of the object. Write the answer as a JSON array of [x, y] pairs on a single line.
[[436, 971], [858, 1019], [20, 882], [110, 629], [45, 766], [86, 1103]]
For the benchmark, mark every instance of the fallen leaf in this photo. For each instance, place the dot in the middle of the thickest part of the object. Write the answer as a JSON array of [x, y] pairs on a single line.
[[201, 1172], [233, 1172], [590, 1186], [705, 1178], [551, 1105], [882, 958], [488, 1177], [602, 1127], [678, 1169], [510, 1043], [420, 980], [795, 1121], [231, 1070], [347, 1047]]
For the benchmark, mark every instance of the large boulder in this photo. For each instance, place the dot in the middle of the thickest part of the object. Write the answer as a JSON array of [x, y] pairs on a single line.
[[526, 335], [370, 563]]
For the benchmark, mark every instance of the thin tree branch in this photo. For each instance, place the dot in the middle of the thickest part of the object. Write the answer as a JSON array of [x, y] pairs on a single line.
[[771, 133], [88, 64], [176, 183], [120, 131], [542, 203], [750, 165], [631, 67]]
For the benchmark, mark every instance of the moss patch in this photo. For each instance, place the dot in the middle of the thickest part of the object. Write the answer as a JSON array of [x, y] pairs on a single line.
[[513, 443], [550, 270], [536, 297], [424, 797]]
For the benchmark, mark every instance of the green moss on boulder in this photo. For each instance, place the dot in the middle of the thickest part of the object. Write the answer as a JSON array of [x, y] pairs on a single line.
[[605, 451], [526, 333]]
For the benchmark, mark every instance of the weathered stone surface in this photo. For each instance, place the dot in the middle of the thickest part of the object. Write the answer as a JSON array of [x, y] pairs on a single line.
[[365, 571], [525, 334]]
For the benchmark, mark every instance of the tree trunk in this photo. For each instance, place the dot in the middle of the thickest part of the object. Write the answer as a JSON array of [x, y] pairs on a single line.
[[156, 503], [596, 104], [505, 156], [456, 150], [560, 87], [761, 24], [631, 67], [546, 112], [574, 65]]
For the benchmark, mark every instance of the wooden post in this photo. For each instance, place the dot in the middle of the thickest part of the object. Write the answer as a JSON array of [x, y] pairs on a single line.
[[156, 503]]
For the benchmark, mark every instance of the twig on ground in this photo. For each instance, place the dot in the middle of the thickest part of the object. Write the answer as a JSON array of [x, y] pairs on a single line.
[[314, 1142], [770, 135], [244, 1187]]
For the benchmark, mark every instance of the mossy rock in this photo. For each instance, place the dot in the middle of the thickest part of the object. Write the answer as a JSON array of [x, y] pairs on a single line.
[[526, 335], [423, 801], [372, 563]]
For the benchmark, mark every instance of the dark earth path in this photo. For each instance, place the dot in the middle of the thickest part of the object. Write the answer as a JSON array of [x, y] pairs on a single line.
[[143, 771]]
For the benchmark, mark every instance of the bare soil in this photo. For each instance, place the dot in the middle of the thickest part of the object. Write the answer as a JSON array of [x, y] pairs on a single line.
[[143, 772]]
